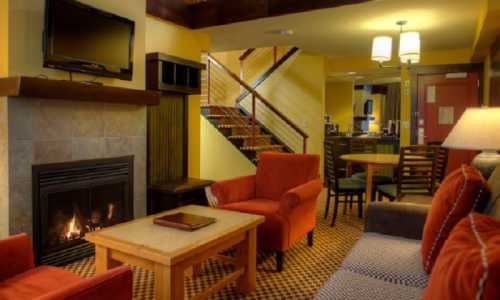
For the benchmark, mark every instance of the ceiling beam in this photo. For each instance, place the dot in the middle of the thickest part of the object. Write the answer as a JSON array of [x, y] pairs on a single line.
[[220, 12]]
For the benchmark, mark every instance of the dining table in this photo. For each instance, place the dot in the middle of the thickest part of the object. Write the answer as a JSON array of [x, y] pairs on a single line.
[[371, 163]]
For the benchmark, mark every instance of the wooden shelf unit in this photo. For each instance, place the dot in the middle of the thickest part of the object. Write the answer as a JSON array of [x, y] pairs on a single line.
[[32, 87], [168, 73]]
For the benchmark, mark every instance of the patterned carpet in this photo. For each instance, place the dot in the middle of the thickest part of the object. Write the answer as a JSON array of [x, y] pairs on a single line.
[[305, 270]]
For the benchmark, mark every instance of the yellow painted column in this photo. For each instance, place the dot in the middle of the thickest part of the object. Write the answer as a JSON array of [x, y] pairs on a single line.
[[4, 38], [486, 80], [405, 108]]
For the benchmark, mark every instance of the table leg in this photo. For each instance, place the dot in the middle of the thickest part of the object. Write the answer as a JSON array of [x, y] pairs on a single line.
[[169, 282], [369, 185], [246, 257], [103, 261]]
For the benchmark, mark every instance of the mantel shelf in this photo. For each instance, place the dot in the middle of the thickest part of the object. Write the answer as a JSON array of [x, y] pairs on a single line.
[[31, 87]]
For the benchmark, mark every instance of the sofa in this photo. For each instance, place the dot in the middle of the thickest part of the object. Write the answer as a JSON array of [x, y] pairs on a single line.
[[20, 279], [285, 190], [386, 261]]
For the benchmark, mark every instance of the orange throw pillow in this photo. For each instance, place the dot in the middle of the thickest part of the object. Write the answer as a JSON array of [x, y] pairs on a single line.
[[461, 192], [468, 266]]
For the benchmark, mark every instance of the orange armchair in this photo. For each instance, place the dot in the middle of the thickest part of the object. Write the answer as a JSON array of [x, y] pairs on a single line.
[[285, 190], [20, 279]]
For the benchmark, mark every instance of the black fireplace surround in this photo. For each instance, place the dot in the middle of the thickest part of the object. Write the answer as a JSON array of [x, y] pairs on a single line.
[[73, 198]]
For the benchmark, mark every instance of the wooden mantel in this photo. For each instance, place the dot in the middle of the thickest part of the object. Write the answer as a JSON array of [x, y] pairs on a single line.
[[31, 87]]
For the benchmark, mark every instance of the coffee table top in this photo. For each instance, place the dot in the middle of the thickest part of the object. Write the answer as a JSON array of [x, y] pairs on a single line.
[[142, 238]]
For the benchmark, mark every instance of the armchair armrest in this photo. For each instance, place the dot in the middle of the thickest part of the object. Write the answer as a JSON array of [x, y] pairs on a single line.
[[301, 194], [234, 190], [399, 219], [114, 284], [16, 256]]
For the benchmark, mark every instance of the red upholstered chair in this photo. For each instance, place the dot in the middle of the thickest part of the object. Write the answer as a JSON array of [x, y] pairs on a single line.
[[20, 279], [285, 190]]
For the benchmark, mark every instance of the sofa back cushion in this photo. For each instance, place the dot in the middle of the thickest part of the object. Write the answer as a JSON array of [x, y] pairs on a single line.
[[462, 190], [279, 172], [468, 266], [493, 208]]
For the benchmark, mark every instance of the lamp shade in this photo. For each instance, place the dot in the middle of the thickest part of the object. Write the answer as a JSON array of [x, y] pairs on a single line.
[[477, 129], [409, 47], [382, 48]]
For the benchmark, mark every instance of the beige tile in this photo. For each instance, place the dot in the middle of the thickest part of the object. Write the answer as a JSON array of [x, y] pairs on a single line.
[[118, 146], [21, 214], [52, 120], [88, 119], [52, 151], [121, 120], [20, 158], [20, 117], [87, 148]]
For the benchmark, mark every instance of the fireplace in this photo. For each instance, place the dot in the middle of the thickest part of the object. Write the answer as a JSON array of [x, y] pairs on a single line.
[[73, 198]]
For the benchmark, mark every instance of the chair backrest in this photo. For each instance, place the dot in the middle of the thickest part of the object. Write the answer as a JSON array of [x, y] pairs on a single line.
[[417, 170], [332, 170], [441, 160], [279, 172]]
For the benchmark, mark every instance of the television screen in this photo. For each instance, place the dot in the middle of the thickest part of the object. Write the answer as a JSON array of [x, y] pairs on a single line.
[[81, 38]]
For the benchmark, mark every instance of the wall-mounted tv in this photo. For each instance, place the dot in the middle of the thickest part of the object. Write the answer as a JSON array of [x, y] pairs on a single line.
[[81, 38]]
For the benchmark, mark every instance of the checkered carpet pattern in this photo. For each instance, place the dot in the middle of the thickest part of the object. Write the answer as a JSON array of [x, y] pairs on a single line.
[[306, 268]]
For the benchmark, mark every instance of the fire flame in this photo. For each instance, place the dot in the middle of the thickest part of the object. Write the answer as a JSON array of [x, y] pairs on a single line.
[[73, 230]]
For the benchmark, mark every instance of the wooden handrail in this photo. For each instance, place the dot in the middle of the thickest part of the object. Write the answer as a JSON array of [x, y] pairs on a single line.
[[268, 73], [250, 90], [246, 53]]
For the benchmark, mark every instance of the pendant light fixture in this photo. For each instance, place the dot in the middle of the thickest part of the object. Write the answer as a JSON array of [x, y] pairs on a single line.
[[409, 47]]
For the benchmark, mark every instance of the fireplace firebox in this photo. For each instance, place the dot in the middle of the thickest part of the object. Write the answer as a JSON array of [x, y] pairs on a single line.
[[73, 198]]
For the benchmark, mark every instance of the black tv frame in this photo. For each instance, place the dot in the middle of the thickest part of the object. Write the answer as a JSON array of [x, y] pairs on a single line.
[[80, 65]]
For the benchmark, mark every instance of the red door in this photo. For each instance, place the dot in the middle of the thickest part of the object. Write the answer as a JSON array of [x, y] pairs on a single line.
[[442, 99]]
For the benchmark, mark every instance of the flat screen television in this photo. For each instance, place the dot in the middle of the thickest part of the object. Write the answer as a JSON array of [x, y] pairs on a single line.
[[81, 38]]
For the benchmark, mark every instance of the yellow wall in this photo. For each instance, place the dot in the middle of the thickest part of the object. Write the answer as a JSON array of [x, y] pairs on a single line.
[[220, 159], [297, 89], [25, 41], [169, 38], [4, 38], [338, 103]]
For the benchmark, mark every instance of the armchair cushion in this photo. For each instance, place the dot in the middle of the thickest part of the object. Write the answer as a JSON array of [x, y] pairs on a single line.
[[114, 284], [234, 190], [272, 234], [16, 256], [36, 282], [279, 172]]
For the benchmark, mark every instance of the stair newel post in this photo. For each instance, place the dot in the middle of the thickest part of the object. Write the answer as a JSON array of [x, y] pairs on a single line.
[[253, 120], [304, 145], [208, 80], [242, 76]]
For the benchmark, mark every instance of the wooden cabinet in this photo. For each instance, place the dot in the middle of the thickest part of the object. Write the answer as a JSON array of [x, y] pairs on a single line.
[[168, 73]]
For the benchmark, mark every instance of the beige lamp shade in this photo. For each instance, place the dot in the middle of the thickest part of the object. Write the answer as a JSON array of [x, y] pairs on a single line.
[[409, 47], [382, 49], [477, 129]]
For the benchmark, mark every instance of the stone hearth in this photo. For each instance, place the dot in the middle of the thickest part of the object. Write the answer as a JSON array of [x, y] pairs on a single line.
[[38, 131]]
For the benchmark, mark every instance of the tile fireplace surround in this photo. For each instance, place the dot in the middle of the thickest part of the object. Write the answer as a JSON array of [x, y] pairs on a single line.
[[39, 131]]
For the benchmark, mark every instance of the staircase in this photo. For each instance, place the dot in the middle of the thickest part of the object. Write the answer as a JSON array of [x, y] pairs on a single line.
[[240, 124]]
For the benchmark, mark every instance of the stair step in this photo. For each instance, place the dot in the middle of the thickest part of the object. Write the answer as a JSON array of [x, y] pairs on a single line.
[[234, 126], [234, 137], [262, 148]]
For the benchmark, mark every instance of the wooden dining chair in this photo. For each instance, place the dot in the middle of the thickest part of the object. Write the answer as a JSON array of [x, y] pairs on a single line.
[[416, 176], [441, 160], [339, 185], [367, 146]]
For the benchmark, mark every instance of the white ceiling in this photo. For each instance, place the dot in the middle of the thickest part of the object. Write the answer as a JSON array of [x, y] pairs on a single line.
[[348, 30]]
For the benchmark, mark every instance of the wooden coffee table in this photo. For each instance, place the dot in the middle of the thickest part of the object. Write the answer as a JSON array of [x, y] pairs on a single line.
[[169, 252]]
